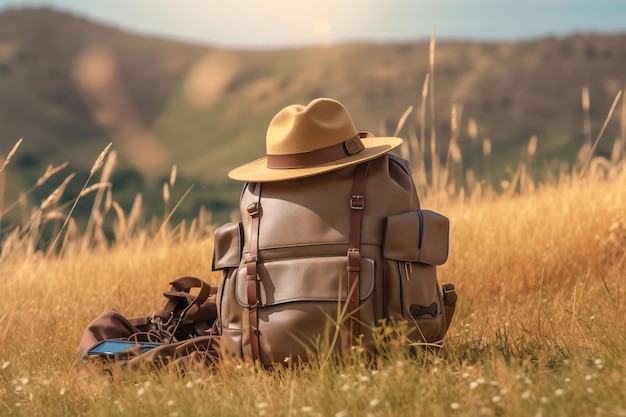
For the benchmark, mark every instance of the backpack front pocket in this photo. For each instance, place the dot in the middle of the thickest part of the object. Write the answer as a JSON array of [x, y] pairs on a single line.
[[300, 303]]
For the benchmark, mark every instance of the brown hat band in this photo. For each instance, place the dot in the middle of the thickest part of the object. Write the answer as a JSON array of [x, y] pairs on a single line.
[[318, 156]]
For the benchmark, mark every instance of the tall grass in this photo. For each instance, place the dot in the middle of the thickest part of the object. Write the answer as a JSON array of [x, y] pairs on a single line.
[[538, 328], [538, 331]]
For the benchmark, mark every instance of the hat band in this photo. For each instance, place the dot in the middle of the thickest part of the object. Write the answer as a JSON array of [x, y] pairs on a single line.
[[317, 156]]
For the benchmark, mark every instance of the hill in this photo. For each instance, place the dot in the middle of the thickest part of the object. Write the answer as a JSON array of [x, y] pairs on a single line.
[[70, 86]]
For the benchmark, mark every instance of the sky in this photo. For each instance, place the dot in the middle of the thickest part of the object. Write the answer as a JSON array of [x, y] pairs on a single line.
[[293, 23]]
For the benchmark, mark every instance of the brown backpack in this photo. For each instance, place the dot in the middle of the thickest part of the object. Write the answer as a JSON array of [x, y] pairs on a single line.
[[332, 247], [349, 247]]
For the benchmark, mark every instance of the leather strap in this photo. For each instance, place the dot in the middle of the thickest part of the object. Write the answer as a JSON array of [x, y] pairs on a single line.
[[357, 204], [317, 156], [449, 302], [254, 210], [181, 290]]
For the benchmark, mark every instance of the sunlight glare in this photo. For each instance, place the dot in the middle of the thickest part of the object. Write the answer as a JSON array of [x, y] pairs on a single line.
[[321, 27]]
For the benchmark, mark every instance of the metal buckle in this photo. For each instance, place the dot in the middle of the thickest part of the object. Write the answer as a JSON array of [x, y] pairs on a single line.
[[253, 209], [357, 202], [354, 260]]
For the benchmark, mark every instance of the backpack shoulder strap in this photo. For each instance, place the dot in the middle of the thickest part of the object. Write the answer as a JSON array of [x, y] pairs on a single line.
[[254, 211], [357, 204]]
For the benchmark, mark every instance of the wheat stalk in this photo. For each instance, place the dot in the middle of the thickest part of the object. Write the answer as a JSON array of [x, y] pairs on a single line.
[[417, 162], [586, 119], [472, 128], [70, 235], [92, 223], [423, 114], [433, 134], [623, 125], [169, 216], [55, 196], [532, 147], [108, 200], [173, 175], [97, 164], [11, 154], [402, 120], [120, 228], [604, 125], [53, 215], [405, 144], [34, 223], [50, 171], [166, 194], [107, 170], [420, 159], [454, 151], [135, 213], [486, 158], [527, 183], [94, 187]]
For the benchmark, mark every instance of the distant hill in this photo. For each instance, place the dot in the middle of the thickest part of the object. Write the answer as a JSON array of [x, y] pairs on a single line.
[[69, 86]]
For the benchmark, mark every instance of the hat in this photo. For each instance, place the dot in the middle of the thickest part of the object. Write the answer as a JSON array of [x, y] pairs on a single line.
[[303, 141]]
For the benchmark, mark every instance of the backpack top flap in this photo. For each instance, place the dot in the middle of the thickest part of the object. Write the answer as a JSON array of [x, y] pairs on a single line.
[[417, 236], [316, 210]]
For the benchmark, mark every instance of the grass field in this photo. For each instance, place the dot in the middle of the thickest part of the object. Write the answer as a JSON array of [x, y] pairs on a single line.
[[539, 328]]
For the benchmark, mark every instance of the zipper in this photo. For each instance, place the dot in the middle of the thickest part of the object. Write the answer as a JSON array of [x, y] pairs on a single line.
[[420, 217]]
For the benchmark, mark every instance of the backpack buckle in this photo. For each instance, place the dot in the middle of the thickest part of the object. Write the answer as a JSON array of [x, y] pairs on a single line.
[[253, 209], [449, 295], [357, 202], [354, 259]]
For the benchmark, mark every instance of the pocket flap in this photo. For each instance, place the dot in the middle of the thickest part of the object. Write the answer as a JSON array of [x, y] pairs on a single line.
[[227, 246], [306, 279], [417, 236]]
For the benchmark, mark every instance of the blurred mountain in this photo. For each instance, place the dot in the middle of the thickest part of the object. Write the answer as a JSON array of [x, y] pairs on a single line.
[[69, 86]]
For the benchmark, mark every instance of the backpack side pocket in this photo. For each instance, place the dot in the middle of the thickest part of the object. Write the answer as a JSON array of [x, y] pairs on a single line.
[[415, 243], [227, 246], [417, 236], [227, 252]]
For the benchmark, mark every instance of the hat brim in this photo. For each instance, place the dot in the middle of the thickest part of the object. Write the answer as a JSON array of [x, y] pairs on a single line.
[[257, 171]]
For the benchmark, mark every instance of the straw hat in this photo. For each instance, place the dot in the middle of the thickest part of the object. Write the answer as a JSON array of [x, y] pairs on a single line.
[[303, 141]]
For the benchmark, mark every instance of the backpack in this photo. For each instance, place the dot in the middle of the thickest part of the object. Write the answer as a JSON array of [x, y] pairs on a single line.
[[323, 262]]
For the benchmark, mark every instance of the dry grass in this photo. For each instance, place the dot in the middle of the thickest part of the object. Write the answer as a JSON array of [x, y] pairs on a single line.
[[538, 329]]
